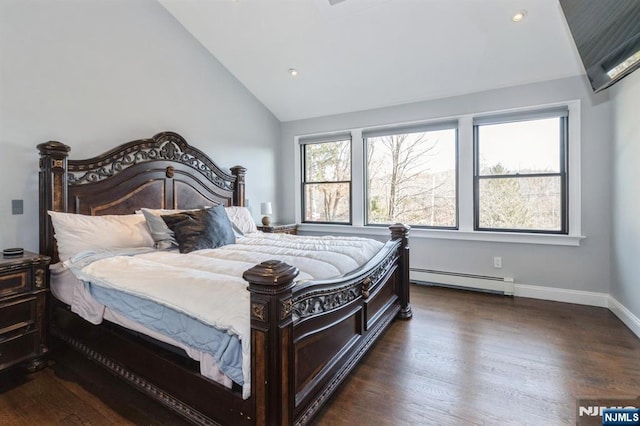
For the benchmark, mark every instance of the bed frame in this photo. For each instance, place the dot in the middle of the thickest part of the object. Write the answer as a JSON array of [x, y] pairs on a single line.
[[305, 337]]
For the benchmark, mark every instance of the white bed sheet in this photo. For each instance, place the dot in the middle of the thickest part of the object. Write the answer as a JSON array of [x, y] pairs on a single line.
[[70, 290], [185, 282]]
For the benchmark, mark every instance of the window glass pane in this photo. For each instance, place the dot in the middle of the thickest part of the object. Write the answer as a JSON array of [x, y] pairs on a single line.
[[532, 203], [327, 202], [411, 178], [328, 161], [520, 147]]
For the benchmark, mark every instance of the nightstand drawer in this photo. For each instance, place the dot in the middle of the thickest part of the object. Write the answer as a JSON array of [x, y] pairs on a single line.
[[14, 282], [18, 349], [17, 316], [24, 288]]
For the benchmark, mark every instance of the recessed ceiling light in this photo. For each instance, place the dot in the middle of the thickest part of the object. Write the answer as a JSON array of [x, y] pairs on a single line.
[[519, 16], [293, 72]]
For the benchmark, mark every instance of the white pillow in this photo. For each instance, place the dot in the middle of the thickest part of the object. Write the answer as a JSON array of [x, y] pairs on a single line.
[[77, 232], [242, 219]]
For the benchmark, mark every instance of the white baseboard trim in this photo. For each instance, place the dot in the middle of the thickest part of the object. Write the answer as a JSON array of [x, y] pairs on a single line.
[[589, 298], [625, 315], [562, 295]]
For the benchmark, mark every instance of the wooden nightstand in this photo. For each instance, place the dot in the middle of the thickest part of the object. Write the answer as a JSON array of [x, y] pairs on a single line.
[[24, 284], [280, 229]]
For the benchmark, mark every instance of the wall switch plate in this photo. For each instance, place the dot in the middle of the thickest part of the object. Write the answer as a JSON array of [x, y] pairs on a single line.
[[497, 262], [17, 206]]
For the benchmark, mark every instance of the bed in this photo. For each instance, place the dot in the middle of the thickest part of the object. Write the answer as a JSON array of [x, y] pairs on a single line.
[[305, 336]]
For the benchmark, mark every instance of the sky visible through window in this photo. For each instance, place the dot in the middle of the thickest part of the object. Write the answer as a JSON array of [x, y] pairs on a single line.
[[524, 146]]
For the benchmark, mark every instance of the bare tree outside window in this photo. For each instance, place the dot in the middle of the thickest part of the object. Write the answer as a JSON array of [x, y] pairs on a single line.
[[327, 182], [411, 178]]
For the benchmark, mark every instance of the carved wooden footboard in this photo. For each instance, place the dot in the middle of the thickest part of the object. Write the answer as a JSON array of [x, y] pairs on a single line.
[[308, 337], [305, 336]]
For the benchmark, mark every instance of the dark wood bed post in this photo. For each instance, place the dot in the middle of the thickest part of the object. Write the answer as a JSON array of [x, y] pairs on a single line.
[[401, 231], [272, 356], [238, 186], [53, 190]]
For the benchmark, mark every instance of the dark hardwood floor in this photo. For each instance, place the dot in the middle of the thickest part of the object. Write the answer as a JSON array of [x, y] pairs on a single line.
[[465, 358]]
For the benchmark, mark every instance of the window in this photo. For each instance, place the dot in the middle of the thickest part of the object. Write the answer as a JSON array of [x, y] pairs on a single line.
[[326, 179], [511, 176], [411, 175], [520, 174]]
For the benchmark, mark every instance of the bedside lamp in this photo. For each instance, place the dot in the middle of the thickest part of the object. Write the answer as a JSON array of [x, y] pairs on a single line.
[[265, 211]]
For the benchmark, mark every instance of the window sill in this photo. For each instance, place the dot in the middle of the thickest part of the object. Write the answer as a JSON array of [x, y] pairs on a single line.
[[448, 234]]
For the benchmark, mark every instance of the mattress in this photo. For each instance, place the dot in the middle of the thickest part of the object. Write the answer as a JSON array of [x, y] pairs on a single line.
[[203, 288], [67, 288]]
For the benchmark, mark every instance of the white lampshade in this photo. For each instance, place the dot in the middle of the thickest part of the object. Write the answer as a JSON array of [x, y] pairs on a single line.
[[265, 208]]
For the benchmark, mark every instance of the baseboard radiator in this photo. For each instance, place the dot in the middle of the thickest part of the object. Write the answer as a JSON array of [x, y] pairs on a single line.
[[501, 285]]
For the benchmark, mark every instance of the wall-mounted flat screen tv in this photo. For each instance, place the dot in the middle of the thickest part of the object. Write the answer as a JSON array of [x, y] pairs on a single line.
[[607, 35]]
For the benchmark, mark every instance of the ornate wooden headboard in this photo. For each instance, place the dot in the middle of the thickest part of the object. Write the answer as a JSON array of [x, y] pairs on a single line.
[[161, 172]]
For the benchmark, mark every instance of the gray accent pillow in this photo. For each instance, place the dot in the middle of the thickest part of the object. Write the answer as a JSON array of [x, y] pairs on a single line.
[[201, 229], [163, 236]]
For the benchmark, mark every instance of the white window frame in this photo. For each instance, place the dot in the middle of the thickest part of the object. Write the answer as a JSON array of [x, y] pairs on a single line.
[[465, 229], [524, 117]]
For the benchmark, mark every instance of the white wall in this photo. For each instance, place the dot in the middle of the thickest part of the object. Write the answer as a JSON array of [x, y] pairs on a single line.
[[97, 73], [583, 268], [92, 74], [625, 193]]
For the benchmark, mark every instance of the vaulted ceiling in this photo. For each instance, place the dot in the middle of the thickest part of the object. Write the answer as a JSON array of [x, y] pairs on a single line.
[[361, 54]]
